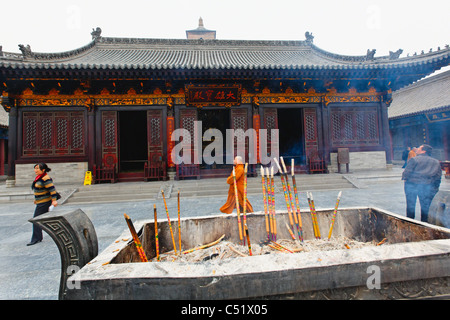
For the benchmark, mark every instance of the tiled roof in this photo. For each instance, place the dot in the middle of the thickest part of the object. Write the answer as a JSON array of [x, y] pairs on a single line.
[[135, 53], [4, 119], [430, 94]]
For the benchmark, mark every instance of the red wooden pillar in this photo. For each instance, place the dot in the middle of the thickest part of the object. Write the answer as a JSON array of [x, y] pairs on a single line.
[[2, 157], [170, 143], [257, 126]]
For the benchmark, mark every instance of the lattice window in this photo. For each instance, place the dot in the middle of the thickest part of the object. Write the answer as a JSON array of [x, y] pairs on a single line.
[[62, 134], [354, 127], [155, 133], [110, 132], [310, 127], [53, 133], [77, 133]]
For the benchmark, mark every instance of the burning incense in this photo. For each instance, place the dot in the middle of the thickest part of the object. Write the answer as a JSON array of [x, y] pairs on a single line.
[[179, 221], [248, 240], [300, 226], [137, 242], [237, 205], [170, 225], [334, 214], [156, 234], [265, 202]]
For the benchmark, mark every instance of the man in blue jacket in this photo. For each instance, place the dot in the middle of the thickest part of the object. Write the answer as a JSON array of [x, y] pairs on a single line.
[[422, 177]]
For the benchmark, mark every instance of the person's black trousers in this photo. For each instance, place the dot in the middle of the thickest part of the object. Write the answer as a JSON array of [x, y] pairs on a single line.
[[425, 192], [41, 208]]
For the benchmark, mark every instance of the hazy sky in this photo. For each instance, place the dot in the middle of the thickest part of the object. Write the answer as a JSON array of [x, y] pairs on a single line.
[[340, 26]]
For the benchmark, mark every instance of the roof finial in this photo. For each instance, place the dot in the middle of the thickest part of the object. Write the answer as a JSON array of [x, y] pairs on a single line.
[[200, 22]]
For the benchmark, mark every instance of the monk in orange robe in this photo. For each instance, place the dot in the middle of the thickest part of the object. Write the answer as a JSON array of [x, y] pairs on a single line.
[[230, 205]]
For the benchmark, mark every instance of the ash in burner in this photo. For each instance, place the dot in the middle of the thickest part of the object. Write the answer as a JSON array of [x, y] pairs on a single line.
[[226, 249]]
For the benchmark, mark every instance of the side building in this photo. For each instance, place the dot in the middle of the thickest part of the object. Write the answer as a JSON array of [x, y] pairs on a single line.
[[420, 113]]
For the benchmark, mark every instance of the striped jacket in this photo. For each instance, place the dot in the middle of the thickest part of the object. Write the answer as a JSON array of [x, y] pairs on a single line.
[[44, 190]]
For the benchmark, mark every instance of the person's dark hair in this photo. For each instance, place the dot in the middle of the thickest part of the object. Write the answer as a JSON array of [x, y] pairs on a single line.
[[427, 148], [43, 166]]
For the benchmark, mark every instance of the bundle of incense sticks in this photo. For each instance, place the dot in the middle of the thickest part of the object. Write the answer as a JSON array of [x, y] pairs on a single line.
[[136, 240], [286, 196], [170, 225], [236, 195], [312, 208], [156, 234], [294, 213], [264, 189]]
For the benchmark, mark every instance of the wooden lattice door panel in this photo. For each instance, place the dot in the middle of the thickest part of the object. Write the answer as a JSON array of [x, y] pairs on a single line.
[[239, 120], [310, 124], [53, 133], [188, 118], [270, 122], [155, 136], [109, 138]]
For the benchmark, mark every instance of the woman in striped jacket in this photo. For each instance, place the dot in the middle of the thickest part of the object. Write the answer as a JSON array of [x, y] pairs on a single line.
[[45, 195]]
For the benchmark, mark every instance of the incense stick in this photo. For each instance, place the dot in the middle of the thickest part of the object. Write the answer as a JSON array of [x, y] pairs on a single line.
[[170, 225], [245, 195], [248, 241], [269, 199], [156, 234], [265, 202], [179, 222], [136, 240], [237, 205], [334, 214], [272, 191], [297, 204], [204, 246]]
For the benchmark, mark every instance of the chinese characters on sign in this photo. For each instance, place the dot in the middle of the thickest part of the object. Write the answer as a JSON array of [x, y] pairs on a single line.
[[213, 95], [438, 116]]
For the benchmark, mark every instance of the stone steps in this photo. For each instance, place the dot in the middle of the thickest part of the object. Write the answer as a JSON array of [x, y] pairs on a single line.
[[141, 191]]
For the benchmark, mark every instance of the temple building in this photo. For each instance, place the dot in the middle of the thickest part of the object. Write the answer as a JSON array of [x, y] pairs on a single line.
[[111, 106]]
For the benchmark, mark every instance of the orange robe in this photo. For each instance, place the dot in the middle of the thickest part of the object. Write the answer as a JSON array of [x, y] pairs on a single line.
[[230, 205]]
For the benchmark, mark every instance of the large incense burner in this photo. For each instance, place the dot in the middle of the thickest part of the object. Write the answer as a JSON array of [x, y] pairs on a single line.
[[413, 261]]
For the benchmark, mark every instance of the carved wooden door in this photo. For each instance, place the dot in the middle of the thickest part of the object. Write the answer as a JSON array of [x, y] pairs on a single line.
[[270, 122], [155, 136], [188, 117], [311, 139], [109, 138]]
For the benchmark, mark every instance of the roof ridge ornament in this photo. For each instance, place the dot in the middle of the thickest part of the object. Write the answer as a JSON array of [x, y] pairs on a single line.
[[370, 56], [26, 51], [395, 55], [309, 37], [96, 33]]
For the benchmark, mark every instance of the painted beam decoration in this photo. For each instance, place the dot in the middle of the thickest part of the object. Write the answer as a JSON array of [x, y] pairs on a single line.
[[213, 95]]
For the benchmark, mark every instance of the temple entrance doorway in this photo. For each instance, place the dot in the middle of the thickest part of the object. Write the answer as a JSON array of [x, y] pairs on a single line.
[[291, 139], [217, 118], [132, 143]]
